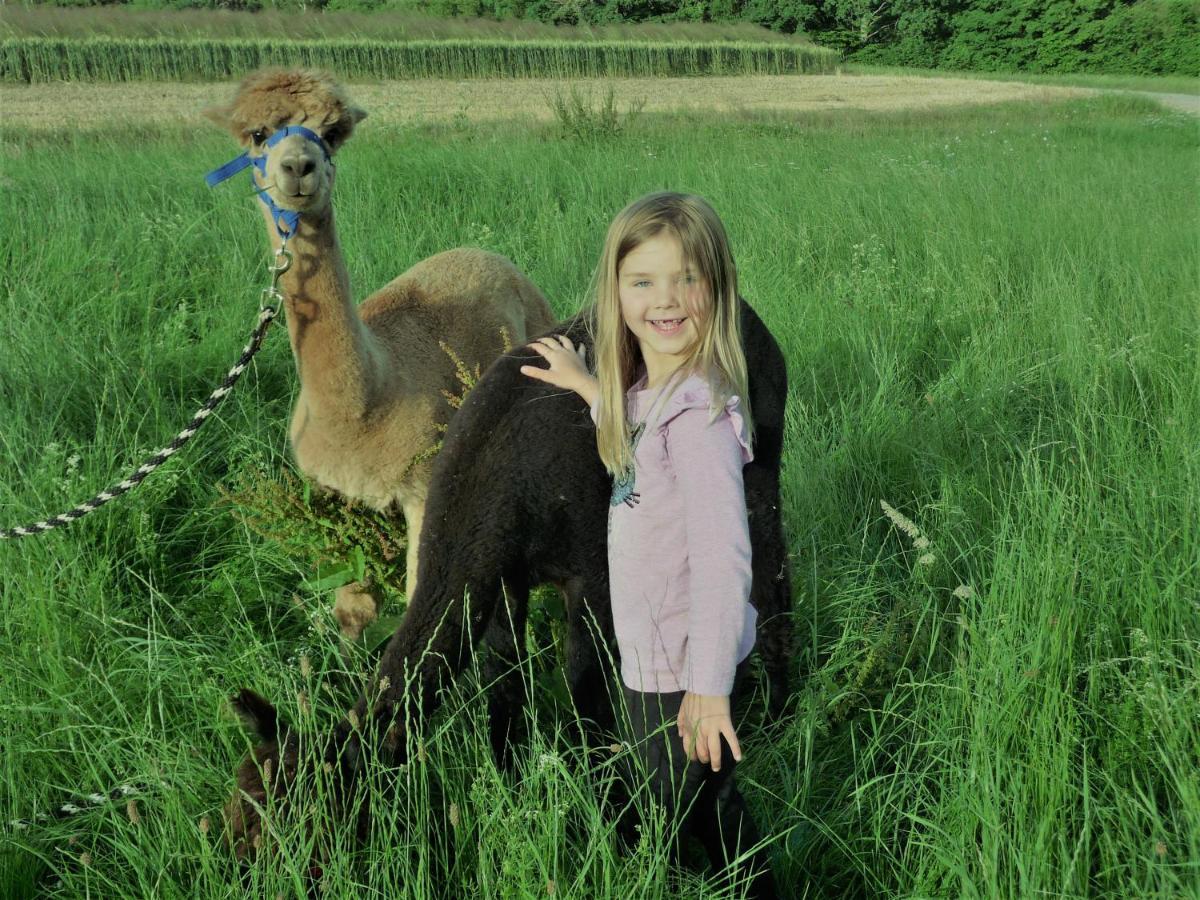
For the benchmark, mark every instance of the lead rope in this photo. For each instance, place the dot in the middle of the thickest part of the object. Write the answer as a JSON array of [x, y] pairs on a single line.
[[271, 297]]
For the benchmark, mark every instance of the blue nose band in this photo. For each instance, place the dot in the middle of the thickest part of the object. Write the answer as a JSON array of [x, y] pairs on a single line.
[[285, 220]]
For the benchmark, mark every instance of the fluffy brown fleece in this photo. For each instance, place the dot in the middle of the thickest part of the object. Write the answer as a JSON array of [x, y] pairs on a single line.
[[272, 98]]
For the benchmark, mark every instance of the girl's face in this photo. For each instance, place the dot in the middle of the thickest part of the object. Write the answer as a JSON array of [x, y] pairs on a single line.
[[660, 298]]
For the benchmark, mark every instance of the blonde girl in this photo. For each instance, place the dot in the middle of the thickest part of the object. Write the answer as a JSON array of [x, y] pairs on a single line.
[[670, 401]]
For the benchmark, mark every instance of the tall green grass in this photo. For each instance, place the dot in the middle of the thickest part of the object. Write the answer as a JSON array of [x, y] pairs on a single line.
[[991, 322], [167, 59]]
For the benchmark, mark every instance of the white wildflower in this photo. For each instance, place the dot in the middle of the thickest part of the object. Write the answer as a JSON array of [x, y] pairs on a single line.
[[964, 592], [926, 559]]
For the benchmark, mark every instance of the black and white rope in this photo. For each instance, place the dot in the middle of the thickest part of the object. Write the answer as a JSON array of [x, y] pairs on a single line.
[[69, 810], [214, 400]]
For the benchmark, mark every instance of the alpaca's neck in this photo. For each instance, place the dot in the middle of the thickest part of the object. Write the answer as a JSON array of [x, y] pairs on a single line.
[[336, 357]]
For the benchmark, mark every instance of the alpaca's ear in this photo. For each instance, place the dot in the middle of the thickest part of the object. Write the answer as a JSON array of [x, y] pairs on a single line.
[[335, 135], [258, 716]]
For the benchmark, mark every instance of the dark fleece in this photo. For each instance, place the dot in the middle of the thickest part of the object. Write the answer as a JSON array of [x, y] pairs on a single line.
[[519, 497]]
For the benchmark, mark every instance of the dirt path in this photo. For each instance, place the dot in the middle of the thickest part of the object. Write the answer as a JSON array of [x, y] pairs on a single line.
[[83, 105], [1189, 103]]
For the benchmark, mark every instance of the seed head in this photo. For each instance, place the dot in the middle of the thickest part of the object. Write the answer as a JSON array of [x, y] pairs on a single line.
[[901, 521]]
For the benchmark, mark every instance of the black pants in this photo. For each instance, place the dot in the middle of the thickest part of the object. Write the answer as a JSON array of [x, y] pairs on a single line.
[[697, 800]]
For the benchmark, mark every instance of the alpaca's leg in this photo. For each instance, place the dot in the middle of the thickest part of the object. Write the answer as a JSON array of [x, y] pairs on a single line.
[[356, 605], [414, 515], [591, 650], [504, 671], [771, 591]]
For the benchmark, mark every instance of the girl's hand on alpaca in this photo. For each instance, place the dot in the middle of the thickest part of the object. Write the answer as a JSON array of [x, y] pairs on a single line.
[[703, 720], [568, 366]]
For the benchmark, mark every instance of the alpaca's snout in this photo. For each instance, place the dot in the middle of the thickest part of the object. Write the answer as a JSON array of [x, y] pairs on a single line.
[[298, 166], [298, 177]]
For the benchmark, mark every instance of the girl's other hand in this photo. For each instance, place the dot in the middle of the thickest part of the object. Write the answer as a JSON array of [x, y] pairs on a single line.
[[703, 720], [568, 365]]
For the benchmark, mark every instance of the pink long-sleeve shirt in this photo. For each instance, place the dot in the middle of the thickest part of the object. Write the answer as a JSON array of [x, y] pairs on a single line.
[[679, 545]]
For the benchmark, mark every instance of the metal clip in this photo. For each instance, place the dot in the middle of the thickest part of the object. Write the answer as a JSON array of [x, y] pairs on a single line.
[[272, 295]]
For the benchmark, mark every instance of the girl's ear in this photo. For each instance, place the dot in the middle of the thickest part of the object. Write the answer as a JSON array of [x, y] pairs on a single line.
[[258, 716]]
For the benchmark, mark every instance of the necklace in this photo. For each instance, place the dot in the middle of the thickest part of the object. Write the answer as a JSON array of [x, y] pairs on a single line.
[[623, 491]]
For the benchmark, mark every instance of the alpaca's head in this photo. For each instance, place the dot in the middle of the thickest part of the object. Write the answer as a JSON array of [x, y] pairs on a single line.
[[298, 175], [263, 778]]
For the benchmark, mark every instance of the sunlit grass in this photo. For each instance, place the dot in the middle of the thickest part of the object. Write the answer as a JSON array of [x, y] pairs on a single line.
[[990, 319]]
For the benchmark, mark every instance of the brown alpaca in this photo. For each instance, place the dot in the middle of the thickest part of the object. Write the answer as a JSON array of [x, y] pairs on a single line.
[[371, 376]]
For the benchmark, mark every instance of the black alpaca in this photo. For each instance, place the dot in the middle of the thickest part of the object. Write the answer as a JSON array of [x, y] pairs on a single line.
[[518, 498]]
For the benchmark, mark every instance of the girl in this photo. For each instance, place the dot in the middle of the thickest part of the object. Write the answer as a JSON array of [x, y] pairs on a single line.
[[673, 426]]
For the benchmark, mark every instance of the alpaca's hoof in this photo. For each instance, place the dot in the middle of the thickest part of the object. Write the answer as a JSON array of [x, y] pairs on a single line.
[[356, 607]]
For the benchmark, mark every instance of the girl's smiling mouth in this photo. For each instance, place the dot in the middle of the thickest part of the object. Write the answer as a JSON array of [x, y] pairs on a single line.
[[667, 326]]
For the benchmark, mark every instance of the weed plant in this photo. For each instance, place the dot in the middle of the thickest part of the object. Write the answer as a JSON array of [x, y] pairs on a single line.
[[583, 116], [990, 318]]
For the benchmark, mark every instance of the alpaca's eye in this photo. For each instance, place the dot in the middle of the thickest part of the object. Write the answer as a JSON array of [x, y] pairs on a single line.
[[258, 137]]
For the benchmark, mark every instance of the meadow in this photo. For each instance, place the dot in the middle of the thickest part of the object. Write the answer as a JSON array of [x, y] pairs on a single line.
[[991, 319]]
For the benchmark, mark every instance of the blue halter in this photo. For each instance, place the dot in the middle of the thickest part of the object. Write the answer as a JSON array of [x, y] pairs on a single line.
[[285, 220]]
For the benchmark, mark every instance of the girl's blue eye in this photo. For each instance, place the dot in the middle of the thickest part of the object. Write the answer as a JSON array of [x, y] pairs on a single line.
[[640, 283]]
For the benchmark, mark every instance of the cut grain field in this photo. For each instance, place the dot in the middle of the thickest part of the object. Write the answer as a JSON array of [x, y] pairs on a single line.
[[991, 318], [84, 105]]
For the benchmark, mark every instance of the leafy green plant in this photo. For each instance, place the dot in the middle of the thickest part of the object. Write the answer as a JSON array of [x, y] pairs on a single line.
[[582, 116]]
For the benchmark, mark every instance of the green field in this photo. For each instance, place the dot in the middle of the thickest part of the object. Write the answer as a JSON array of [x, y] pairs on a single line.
[[991, 323]]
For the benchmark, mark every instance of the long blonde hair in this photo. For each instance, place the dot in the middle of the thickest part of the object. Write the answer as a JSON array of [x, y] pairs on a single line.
[[717, 353]]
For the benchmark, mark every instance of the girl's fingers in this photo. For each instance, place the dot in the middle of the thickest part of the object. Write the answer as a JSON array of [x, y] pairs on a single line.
[[539, 348], [535, 372], [714, 750], [565, 342], [733, 744]]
